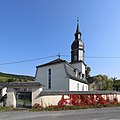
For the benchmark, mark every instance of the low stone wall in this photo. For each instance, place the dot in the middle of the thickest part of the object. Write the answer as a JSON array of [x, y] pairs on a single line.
[[47, 98]]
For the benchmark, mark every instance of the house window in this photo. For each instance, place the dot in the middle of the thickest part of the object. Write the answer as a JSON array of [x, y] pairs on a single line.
[[49, 78]]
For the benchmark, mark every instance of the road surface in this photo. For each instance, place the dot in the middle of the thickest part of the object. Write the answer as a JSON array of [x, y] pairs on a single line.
[[84, 114]]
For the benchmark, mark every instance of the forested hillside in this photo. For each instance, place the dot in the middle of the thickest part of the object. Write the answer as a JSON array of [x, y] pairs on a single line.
[[4, 77]]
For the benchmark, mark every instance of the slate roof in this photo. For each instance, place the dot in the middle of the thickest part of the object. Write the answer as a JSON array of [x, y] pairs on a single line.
[[69, 69], [77, 62], [45, 93], [1, 87], [20, 84], [3, 84], [52, 62]]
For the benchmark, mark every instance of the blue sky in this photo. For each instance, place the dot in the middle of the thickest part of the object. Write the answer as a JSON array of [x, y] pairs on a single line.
[[32, 29]]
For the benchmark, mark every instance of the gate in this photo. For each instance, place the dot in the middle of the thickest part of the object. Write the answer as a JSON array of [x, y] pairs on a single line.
[[24, 99]]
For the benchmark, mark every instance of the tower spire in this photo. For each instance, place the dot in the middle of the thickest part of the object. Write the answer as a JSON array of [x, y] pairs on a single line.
[[77, 29], [78, 33]]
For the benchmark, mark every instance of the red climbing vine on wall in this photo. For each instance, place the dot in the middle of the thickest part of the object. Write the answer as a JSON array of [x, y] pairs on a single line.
[[87, 100]]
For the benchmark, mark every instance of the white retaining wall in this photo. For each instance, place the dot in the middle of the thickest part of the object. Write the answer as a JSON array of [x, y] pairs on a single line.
[[47, 100]]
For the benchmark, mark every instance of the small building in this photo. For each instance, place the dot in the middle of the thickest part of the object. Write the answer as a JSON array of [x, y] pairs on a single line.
[[62, 75], [22, 94]]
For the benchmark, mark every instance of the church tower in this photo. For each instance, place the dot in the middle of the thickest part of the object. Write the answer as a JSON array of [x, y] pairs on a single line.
[[77, 53], [77, 47]]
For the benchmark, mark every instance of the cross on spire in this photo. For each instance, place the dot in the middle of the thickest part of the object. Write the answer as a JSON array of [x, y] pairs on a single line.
[[77, 19], [58, 55]]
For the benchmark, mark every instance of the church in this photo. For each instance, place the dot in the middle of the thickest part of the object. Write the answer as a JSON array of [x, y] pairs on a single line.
[[60, 74]]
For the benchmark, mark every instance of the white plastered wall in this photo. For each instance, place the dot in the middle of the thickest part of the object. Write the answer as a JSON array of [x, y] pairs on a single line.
[[59, 80], [11, 99], [77, 86], [48, 100], [35, 93], [4, 91]]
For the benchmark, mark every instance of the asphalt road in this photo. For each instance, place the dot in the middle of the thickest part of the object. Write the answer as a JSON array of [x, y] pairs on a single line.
[[85, 114]]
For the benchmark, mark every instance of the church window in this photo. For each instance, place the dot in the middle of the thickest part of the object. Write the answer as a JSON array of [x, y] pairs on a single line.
[[83, 76], [75, 57], [77, 86], [49, 78], [76, 72], [80, 73], [83, 88]]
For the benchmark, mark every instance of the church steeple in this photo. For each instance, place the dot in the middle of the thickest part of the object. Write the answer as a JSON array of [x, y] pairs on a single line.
[[77, 47]]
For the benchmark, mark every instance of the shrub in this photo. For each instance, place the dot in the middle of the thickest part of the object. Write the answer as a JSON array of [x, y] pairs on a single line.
[[87, 100]]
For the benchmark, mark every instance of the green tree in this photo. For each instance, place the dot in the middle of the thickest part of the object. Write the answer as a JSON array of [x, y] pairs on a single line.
[[87, 71], [116, 84], [103, 82]]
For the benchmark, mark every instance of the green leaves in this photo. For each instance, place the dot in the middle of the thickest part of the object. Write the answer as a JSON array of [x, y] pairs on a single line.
[[88, 70], [103, 82]]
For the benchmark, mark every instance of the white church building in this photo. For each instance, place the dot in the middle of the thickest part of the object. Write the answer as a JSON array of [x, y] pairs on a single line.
[[62, 75]]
